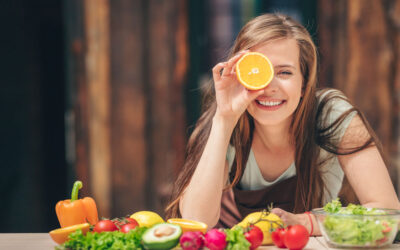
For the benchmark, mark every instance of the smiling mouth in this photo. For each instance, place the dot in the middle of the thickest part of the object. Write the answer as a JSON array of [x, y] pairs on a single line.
[[270, 104]]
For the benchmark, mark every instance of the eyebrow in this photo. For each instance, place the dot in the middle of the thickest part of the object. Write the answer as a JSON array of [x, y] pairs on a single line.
[[285, 65]]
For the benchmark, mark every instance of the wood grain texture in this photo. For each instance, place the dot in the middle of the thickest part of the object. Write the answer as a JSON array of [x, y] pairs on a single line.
[[97, 66], [77, 130], [130, 106], [178, 82], [167, 69], [393, 9], [359, 55], [129, 112]]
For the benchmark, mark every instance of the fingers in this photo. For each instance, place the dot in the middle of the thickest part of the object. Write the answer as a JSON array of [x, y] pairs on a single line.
[[285, 216], [229, 68], [226, 67], [217, 70], [290, 218], [278, 211]]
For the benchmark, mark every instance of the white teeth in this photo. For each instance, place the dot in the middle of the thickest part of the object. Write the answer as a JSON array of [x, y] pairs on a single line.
[[266, 103]]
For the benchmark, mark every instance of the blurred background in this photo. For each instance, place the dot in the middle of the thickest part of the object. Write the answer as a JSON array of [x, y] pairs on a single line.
[[107, 91]]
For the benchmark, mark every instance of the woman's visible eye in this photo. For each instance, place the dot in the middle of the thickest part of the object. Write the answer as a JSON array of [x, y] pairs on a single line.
[[285, 73]]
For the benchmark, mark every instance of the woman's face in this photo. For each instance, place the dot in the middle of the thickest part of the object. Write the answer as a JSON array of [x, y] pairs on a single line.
[[282, 95]]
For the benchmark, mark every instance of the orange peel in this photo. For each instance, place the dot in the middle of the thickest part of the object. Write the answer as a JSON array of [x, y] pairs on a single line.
[[254, 71], [189, 225], [60, 235]]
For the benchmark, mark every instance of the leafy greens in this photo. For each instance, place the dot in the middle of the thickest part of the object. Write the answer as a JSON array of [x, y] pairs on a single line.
[[105, 240], [356, 230], [236, 239]]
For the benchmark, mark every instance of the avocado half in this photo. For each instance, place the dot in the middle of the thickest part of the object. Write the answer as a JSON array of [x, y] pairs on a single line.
[[162, 236]]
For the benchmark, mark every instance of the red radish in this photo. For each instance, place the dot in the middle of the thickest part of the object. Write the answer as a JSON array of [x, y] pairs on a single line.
[[192, 241], [215, 239]]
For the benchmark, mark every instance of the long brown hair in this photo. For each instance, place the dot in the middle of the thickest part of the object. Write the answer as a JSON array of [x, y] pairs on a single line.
[[306, 133]]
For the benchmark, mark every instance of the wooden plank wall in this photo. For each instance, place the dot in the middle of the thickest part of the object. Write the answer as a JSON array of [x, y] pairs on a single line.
[[130, 106], [97, 66], [360, 54], [129, 112], [76, 115], [166, 73]]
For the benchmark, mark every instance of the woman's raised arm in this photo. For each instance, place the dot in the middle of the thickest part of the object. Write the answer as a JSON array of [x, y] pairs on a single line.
[[202, 198]]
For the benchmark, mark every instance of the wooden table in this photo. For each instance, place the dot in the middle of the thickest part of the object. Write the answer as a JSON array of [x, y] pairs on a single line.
[[42, 241]]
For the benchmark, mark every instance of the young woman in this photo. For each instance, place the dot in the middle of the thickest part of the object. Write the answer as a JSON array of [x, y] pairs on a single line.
[[287, 144]]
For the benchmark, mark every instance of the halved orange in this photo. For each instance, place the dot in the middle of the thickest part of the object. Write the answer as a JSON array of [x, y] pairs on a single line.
[[254, 71], [189, 225], [60, 235]]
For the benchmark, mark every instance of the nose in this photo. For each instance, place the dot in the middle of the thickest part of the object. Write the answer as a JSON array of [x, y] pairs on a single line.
[[272, 87]]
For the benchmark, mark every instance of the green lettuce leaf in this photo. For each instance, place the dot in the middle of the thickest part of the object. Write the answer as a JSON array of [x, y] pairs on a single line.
[[236, 239], [357, 230], [105, 240]]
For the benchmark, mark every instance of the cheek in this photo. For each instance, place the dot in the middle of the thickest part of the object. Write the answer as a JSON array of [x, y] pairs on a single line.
[[295, 87], [292, 89], [295, 104], [251, 108], [296, 97], [295, 92]]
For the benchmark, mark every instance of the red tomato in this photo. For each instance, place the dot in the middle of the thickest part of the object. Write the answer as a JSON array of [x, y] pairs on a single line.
[[277, 237], [132, 221], [129, 221], [105, 226], [296, 237], [128, 227], [119, 222], [386, 230], [254, 236]]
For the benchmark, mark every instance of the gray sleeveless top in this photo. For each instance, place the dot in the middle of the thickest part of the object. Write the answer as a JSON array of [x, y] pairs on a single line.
[[332, 173]]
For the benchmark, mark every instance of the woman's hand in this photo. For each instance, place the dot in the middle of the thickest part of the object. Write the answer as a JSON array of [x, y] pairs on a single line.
[[232, 97], [293, 219]]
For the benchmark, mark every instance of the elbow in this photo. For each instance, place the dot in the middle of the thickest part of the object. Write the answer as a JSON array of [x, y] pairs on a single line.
[[397, 206], [210, 220], [393, 205], [390, 204], [214, 221], [207, 214]]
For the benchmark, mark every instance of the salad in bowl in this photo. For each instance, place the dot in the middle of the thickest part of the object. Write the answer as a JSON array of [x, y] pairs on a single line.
[[357, 226]]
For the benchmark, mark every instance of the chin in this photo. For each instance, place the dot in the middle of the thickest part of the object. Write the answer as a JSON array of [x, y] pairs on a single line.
[[277, 119], [269, 123]]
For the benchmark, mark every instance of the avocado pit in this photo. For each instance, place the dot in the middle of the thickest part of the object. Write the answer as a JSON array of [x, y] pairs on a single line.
[[164, 230]]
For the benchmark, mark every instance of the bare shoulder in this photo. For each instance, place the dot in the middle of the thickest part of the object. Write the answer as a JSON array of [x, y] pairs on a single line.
[[356, 134]]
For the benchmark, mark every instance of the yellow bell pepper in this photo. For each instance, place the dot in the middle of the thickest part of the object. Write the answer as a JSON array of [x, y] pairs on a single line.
[[76, 211]]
